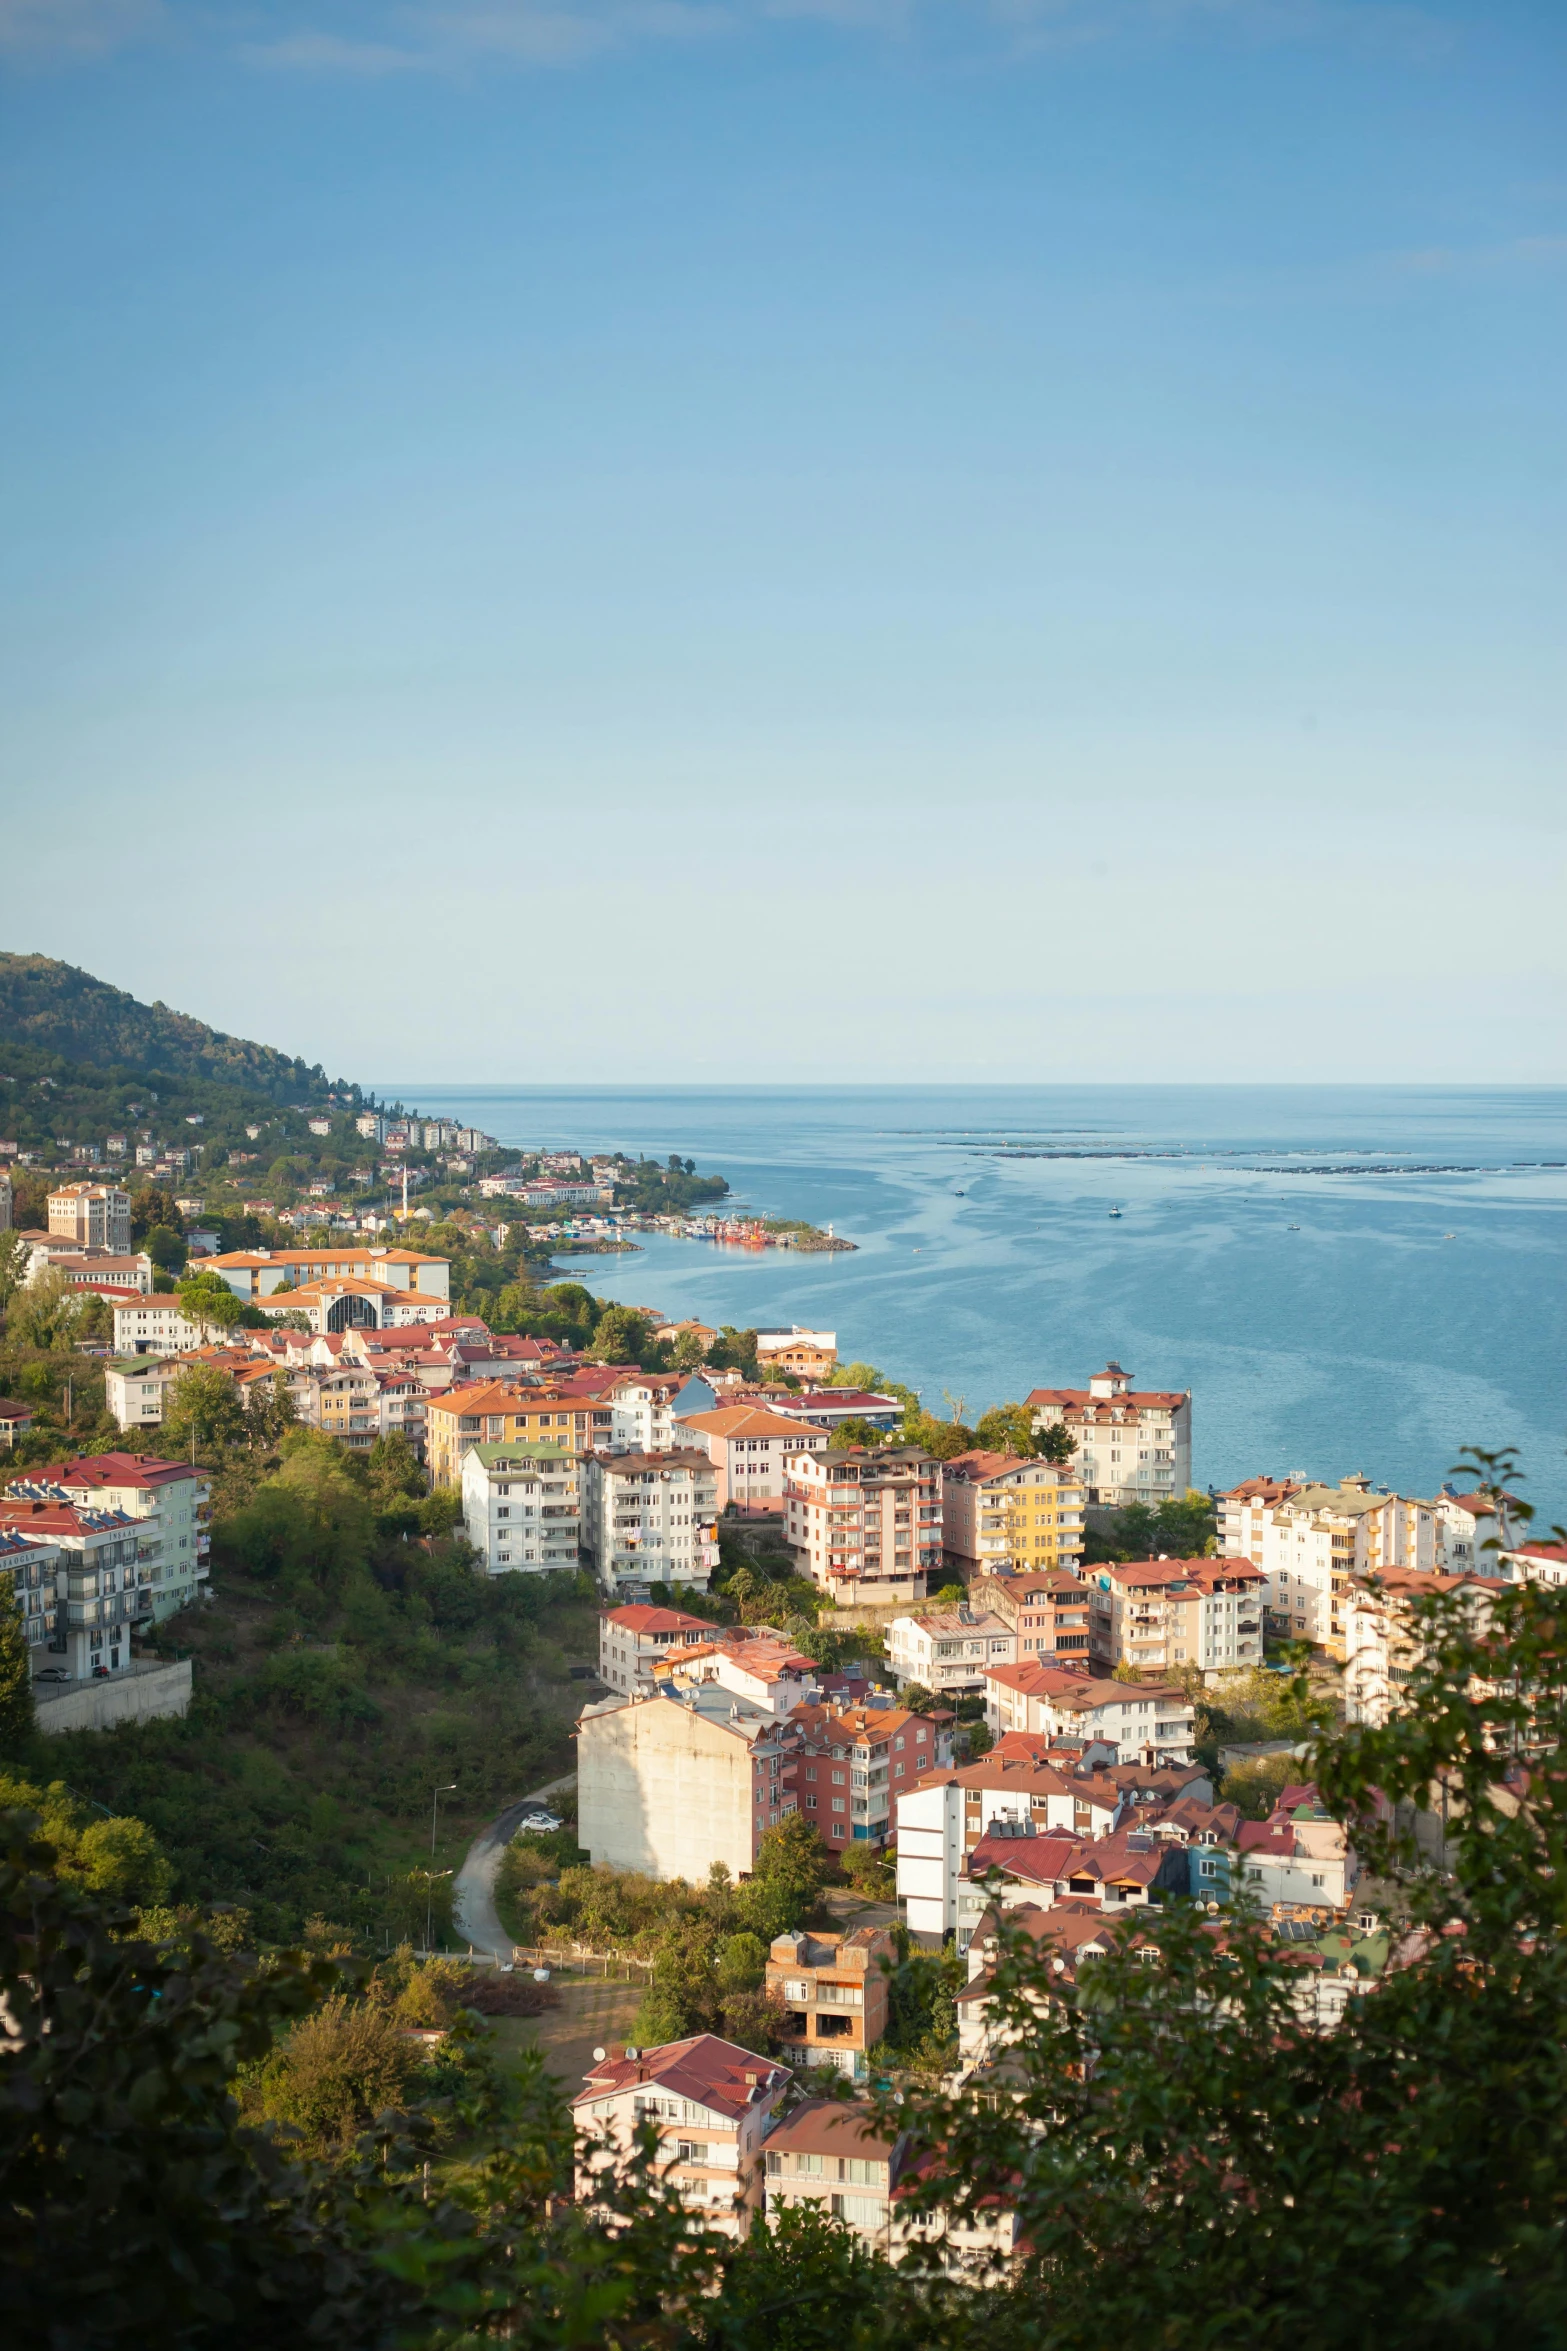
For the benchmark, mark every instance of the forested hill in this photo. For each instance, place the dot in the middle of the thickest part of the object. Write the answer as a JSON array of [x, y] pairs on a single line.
[[57, 1009]]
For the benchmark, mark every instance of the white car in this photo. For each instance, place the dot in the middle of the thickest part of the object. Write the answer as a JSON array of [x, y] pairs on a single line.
[[538, 1824]]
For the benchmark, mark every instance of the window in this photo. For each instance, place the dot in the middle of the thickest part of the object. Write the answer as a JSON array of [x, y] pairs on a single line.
[[838, 1804], [691, 2151]]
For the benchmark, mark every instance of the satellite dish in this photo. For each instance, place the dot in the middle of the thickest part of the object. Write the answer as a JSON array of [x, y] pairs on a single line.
[[1213, 1910], [630, 2052], [1059, 1965], [599, 2056]]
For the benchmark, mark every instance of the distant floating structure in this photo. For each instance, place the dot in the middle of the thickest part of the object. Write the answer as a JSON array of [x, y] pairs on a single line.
[[1115, 1212]]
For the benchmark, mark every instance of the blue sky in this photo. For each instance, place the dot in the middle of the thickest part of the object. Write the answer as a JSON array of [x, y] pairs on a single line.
[[649, 539]]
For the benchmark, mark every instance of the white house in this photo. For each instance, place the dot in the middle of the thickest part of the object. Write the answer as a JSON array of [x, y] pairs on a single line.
[[651, 1518], [950, 1650], [712, 2103], [1148, 1722]]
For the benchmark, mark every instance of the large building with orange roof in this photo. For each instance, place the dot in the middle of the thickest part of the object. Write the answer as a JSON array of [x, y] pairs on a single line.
[[1130, 1444]]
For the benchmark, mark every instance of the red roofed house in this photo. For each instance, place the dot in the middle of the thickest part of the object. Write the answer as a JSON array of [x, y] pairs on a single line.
[[1299, 1859], [632, 1641], [166, 1498], [1156, 1614], [832, 2159], [943, 1820], [711, 2103], [1145, 1721], [15, 1421], [1131, 1444]]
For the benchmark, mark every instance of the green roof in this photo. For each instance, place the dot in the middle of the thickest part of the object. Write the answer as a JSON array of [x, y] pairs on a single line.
[[496, 1456]]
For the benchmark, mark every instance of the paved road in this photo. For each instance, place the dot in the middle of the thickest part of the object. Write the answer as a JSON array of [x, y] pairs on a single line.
[[474, 1892]]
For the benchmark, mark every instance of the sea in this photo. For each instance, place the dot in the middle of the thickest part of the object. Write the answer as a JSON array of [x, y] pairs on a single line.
[[1347, 1278]]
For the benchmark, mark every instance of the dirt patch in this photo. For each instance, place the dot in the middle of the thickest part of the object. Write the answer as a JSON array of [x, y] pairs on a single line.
[[589, 2017]]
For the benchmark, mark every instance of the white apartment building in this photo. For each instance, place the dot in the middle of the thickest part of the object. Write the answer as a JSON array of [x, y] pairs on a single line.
[[94, 1216], [153, 1326], [1466, 1526], [98, 1595], [750, 1448], [521, 1506], [866, 1526], [1148, 1722], [167, 1501], [1132, 1444], [1382, 1648], [31, 1571], [651, 1407], [1310, 1539], [1157, 1614], [634, 1641], [712, 2103], [651, 1518], [949, 1651], [998, 1511], [1533, 1563], [940, 1822], [831, 2159], [669, 1786]]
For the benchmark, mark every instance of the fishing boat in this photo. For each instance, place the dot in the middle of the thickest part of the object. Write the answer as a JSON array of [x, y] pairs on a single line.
[[1115, 1212]]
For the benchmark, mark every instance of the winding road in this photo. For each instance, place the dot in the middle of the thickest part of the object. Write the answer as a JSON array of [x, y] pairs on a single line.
[[473, 1894]]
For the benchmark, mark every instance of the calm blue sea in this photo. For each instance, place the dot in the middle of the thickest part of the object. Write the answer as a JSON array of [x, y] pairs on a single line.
[[1347, 1278]]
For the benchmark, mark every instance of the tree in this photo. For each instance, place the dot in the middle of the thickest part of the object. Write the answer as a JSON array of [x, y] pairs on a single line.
[[623, 1335], [204, 1407], [857, 1431], [207, 1301], [15, 1257], [1008, 1428], [45, 1314], [332, 2075], [121, 1858], [791, 1869], [1055, 1442], [16, 1682], [166, 1247], [687, 1353]]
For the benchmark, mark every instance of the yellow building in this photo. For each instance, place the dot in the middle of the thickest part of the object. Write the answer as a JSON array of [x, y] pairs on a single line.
[[253, 1274], [999, 1509], [490, 1413]]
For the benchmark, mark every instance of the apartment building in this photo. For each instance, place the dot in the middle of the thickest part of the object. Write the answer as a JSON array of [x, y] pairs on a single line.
[[1382, 1640], [1156, 1614], [999, 1511], [1310, 1540], [492, 1412], [167, 1500], [635, 1640], [942, 1821], [30, 1572], [651, 1407], [854, 1762], [1533, 1563], [948, 1651], [98, 1595], [829, 1408], [1298, 1861], [137, 1387], [254, 1274], [522, 1507], [1131, 1444], [669, 1786], [651, 1518], [1048, 1614], [1148, 1722], [832, 2158], [712, 2103], [804, 1355], [749, 1447], [834, 1988], [1470, 1532], [866, 1526], [94, 1216], [1127, 1871]]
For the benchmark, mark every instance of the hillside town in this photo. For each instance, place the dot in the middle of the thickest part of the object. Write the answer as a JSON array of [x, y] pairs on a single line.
[[963, 1700]]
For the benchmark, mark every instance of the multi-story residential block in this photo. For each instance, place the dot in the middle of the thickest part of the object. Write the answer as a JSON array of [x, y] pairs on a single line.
[[804, 1355], [1159, 1613], [1383, 1643], [853, 1764], [651, 1518], [1471, 1529], [999, 1511], [94, 1216], [865, 1525], [1310, 1540], [834, 1988], [137, 1387], [750, 1447], [1049, 1614], [254, 1274], [651, 1407], [522, 1506], [1126, 1871], [98, 1596], [168, 1502], [829, 1408], [1299, 1860], [942, 1821], [634, 1641], [712, 2103], [1533, 1563], [30, 1572], [948, 1652], [831, 2158], [1148, 1722], [669, 1786], [1131, 1444], [494, 1413]]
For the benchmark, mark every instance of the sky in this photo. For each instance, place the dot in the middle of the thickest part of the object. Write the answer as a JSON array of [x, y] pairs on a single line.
[[688, 540]]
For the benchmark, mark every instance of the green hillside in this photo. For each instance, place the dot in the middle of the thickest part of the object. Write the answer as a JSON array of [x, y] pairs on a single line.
[[56, 1009]]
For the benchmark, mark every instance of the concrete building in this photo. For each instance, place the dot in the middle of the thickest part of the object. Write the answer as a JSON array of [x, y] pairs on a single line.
[[943, 1820], [635, 1640], [749, 1447], [1148, 1722], [832, 2158], [829, 1408], [762, 1668], [1156, 1614], [94, 1216], [15, 1421], [1131, 1444], [1309, 1541], [650, 1408], [522, 1507], [494, 1412], [835, 1991], [167, 1500], [1533, 1563], [1299, 1860], [853, 1763], [254, 1274], [999, 1511], [1471, 1532], [153, 1326], [866, 1526], [712, 2103], [30, 1571], [97, 1595], [1049, 1614], [1382, 1640], [669, 1786], [949, 1651], [651, 1518], [804, 1355]]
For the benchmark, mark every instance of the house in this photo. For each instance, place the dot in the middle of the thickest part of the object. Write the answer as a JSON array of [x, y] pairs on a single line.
[[254, 1274], [853, 1763], [711, 2102], [1072, 1934], [948, 1652], [1121, 1872], [1471, 1530], [1309, 1540], [865, 1526], [521, 1507], [651, 1518], [495, 1412], [835, 1990], [634, 1640], [670, 1785], [99, 1596], [1156, 1614], [1048, 1613], [829, 1408], [167, 1499], [1149, 1722], [94, 1216], [1299, 1861], [755, 1664], [1000, 1511], [15, 1421], [650, 1408], [945, 1816], [749, 1447], [1208, 1835], [833, 2158], [1532, 1563], [804, 1355], [1129, 1444]]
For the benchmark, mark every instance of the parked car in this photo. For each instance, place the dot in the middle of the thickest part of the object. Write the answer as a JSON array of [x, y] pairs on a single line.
[[53, 1673], [539, 1824]]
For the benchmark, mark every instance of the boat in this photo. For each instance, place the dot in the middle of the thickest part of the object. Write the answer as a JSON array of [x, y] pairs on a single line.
[[1115, 1212], [1294, 1228], [1449, 1236]]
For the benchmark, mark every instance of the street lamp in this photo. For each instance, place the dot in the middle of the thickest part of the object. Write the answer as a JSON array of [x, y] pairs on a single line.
[[429, 1900]]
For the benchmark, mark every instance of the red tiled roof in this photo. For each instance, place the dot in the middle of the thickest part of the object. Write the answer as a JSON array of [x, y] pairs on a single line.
[[713, 2073]]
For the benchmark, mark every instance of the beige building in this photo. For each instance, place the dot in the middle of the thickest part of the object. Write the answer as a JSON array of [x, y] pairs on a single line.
[[1382, 1645], [947, 1652], [651, 1518], [835, 1990], [669, 1786], [1309, 1540], [1147, 1722], [866, 1525], [1000, 1511], [832, 2158], [253, 1274], [804, 1355], [94, 1216], [1132, 1444], [749, 1446], [634, 1642], [711, 2103], [1159, 1614], [1048, 1613]]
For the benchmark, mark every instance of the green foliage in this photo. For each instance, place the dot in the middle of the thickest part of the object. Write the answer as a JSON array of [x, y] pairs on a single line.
[[15, 1258], [1055, 1443], [857, 1431], [1185, 1527], [1254, 1783], [46, 1312], [333, 2073], [623, 1335], [16, 1685], [871, 1382], [944, 1438], [207, 1301], [782, 1891], [203, 1405], [1008, 1428], [168, 1252]]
